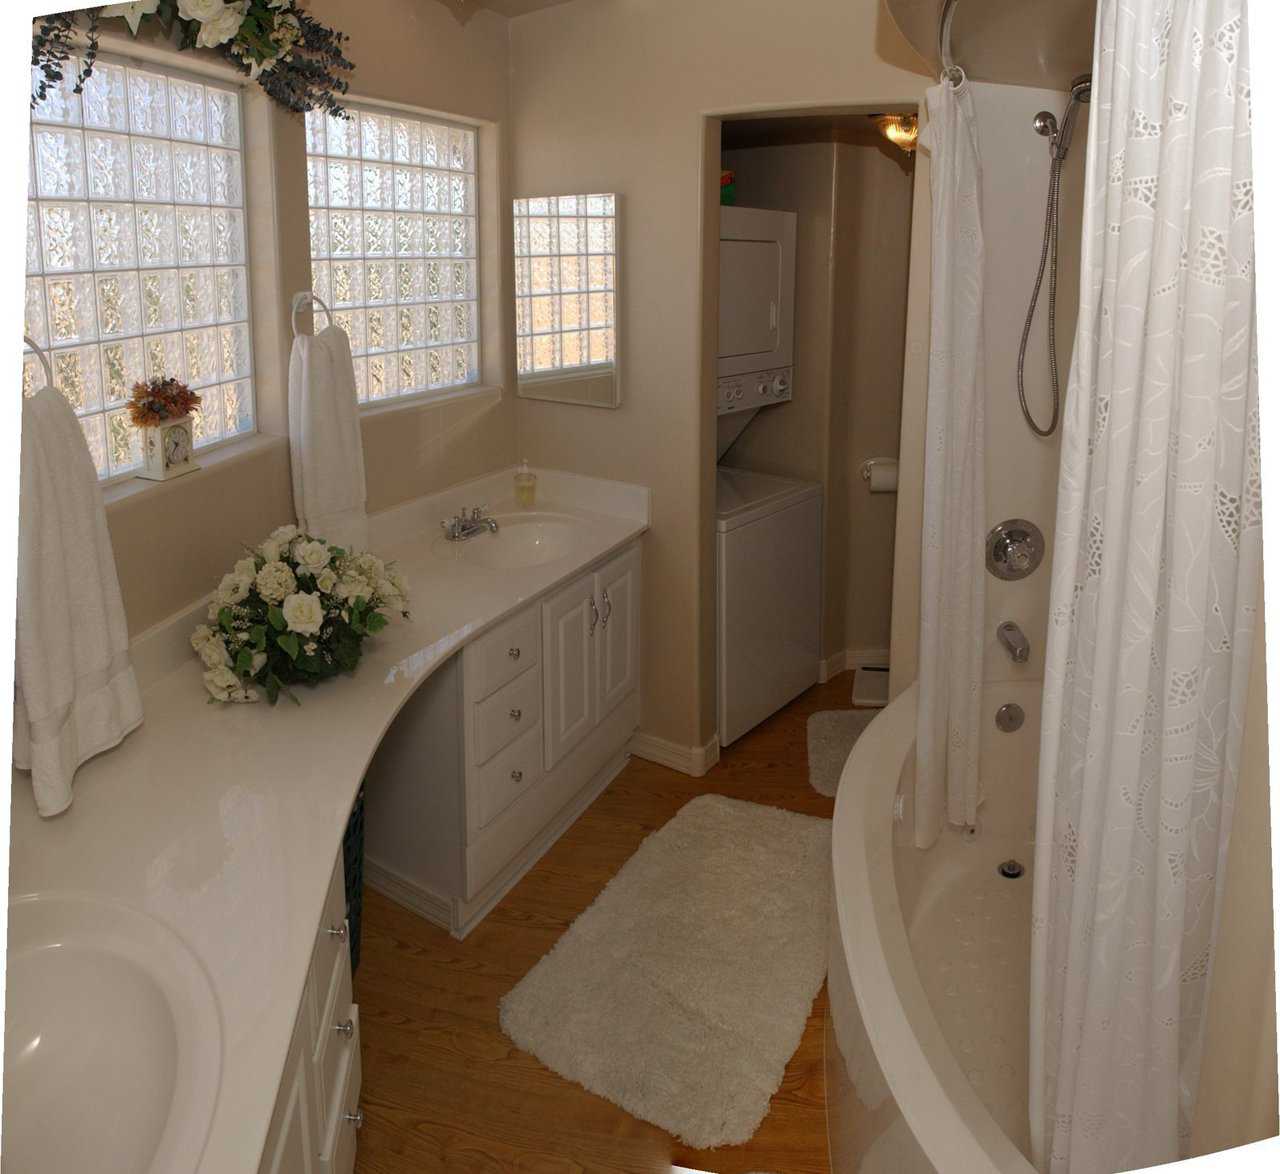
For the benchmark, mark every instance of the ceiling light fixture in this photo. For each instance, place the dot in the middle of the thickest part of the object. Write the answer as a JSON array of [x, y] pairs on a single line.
[[901, 130]]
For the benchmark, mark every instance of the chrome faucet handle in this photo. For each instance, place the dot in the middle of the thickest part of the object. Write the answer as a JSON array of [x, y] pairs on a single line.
[[479, 512]]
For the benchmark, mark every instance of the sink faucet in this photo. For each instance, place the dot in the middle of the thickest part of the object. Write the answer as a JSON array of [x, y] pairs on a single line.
[[461, 527], [1014, 641]]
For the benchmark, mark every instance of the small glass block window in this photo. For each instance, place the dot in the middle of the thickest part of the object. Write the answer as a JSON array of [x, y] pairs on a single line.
[[136, 253], [393, 246], [566, 256]]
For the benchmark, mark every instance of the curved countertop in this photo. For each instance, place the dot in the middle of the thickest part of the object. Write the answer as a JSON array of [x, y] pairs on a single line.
[[223, 822]]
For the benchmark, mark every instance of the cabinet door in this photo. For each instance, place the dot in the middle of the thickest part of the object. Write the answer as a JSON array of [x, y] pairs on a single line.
[[291, 1142], [618, 637], [570, 621]]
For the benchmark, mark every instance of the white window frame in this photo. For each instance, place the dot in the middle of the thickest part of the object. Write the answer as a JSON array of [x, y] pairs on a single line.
[[428, 394], [158, 63]]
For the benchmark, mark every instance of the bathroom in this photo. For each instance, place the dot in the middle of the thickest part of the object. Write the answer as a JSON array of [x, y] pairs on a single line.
[[198, 866]]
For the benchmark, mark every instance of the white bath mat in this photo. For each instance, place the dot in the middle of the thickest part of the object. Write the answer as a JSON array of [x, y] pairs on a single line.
[[683, 990], [832, 734]]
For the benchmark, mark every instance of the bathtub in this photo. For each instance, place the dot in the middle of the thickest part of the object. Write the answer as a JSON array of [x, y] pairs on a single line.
[[926, 1042]]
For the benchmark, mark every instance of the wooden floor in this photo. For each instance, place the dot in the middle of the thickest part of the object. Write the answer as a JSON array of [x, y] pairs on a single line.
[[444, 1089]]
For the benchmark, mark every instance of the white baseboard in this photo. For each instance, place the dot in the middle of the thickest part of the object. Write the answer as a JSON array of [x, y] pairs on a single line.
[[435, 907], [852, 658], [833, 666], [689, 760]]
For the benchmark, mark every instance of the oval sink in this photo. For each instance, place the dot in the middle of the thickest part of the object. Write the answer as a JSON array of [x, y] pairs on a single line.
[[522, 540], [113, 1041]]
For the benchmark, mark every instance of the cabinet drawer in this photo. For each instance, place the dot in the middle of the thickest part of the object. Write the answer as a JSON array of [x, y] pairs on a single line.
[[338, 1154], [502, 655], [501, 718], [333, 1046], [504, 778], [331, 946]]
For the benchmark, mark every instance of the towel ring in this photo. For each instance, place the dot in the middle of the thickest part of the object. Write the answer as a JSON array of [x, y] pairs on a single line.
[[300, 299], [44, 359]]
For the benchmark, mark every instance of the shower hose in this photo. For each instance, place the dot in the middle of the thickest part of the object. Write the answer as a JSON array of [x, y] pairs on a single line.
[[1049, 260]]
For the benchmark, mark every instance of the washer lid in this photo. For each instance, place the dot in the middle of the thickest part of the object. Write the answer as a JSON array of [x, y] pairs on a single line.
[[743, 496]]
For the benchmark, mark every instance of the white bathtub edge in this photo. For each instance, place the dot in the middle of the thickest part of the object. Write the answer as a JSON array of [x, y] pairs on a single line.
[[945, 1114]]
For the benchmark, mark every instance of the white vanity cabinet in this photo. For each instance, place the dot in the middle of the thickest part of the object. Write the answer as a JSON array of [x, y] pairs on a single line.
[[503, 747], [313, 1128]]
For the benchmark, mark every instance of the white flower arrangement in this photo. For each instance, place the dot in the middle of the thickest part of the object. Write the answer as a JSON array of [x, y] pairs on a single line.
[[295, 610]]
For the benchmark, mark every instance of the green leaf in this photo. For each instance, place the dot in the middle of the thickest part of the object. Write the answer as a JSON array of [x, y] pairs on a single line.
[[224, 619], [289, 642], [244, 662], [258, 635], [375, 622], [275, 617], [272, 685]]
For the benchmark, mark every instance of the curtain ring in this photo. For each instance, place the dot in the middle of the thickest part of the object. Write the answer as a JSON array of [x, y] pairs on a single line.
[[953, 75]]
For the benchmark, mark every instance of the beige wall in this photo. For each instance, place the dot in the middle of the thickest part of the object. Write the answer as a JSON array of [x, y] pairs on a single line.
[[585, 116], [854, 207], [410, 52], [873, 241], [1237, 1100]]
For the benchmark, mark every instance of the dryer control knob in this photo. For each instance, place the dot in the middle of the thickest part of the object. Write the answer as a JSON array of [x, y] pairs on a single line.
[[781, 384], [762, 388]]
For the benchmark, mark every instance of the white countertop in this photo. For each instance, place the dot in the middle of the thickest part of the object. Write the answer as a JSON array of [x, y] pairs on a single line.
[[224, 821]]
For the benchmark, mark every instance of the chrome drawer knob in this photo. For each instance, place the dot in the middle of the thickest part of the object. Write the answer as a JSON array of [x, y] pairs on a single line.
[[346, 1028], [356, 1119], [517, 714], [338, 931], [514, 653], [517, 775]]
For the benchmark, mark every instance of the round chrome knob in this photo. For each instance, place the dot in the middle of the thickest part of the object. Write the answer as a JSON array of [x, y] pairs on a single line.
[[356, 1119], [347, 1028], [517, 714], [517, 775], [514, 653], [338, 931]]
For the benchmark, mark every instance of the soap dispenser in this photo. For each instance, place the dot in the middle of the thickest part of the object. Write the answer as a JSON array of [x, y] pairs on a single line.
[[526, 483]]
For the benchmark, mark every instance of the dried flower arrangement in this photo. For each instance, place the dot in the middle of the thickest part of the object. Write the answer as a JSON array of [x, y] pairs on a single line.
[[297, 60], [156, 400]]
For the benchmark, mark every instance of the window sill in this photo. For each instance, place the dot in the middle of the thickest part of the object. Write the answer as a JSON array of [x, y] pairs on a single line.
[[132, 488], [428, 399]]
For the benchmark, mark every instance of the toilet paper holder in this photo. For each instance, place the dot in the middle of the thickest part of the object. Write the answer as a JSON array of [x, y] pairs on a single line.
[[880, 474]]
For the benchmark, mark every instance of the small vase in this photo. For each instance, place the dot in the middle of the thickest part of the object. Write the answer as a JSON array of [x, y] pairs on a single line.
[[168, 449]]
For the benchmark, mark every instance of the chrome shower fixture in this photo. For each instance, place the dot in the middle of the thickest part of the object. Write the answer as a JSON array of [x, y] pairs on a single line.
[[1059, 136]]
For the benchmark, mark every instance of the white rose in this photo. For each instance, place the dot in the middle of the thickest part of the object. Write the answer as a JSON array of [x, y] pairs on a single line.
[[133, 13], [387, 589], [233, 588], [303, 613], [271, 550], [275, 581], [243, 694], [219, 21], [312, 557], [201, 636], [222, 683], [214, 653], [353, 588], [326, 580], [370, 567], [259, 659], [284, 534], [247, 567]]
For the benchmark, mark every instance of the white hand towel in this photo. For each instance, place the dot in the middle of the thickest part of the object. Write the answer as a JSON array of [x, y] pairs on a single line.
[[75, 694], [324, 440]]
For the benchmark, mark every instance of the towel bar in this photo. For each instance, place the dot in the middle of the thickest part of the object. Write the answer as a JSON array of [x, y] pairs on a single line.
[[300, 299]]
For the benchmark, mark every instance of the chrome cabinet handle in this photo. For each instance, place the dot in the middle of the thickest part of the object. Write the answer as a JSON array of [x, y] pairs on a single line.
[[356, 1119], [608, 608], [517, 775], [514, 653], [516, 714], [595, 617], [338, 931], [346, 1028]]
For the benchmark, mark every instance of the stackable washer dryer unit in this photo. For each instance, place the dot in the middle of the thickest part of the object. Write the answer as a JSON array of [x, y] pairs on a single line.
[[768, 594]]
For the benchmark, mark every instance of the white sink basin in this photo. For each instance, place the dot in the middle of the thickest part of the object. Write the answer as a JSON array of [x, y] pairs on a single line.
[[113, 1041], [522, 540]]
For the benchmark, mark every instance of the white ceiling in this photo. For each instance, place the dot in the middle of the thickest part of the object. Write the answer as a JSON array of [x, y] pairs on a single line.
[[1019, 42]]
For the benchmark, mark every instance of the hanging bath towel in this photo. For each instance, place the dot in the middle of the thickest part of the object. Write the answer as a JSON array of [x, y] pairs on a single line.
[[324, 440], [75, 693]]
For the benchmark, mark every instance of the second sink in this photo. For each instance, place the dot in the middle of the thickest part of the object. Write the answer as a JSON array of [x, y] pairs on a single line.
[[522, 540]]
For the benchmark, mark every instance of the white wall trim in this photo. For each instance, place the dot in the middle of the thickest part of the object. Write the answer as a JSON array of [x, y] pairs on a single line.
[[852, 658], [689, 760]]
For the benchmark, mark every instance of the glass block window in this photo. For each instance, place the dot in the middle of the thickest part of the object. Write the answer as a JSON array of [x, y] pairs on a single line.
[[136, 252], [393, 246], [566, 281]]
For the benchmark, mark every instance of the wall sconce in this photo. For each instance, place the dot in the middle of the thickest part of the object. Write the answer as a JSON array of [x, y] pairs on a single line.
[[901, 130]]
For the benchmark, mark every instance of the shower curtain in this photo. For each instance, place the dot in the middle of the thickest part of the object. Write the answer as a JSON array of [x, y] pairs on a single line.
[[1153, 592], [952, 576]]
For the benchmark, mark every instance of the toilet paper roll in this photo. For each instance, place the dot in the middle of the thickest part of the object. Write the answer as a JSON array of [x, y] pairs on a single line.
[[881, 474]]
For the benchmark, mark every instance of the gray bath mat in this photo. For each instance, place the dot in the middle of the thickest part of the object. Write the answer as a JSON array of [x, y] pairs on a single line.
[[682, 992], [832, 734]]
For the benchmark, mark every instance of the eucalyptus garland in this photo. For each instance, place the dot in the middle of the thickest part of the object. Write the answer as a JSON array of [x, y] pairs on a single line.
[[297, 60]]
